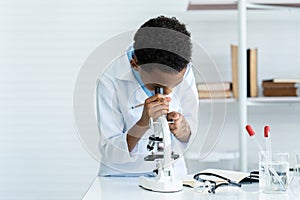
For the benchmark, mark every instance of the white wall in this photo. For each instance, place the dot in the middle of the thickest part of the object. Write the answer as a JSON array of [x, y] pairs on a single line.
[[44, 43]]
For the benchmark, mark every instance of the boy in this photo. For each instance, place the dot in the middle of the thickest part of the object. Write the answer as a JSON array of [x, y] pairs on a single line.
[[159, 57]]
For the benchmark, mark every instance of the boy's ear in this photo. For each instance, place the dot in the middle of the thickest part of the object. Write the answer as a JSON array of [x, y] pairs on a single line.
[[133, 63]]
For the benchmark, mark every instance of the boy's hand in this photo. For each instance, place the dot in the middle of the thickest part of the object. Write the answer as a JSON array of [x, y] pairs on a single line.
[[154, 107], [180, 128]]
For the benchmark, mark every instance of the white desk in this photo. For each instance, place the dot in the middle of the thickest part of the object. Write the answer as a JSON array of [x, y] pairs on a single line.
[[107, 188]]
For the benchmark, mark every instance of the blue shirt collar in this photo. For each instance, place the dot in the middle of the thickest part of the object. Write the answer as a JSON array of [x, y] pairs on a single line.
[[130, 53]]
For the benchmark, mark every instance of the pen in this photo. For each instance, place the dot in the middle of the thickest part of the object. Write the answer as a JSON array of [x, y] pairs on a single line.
[[136, 106]]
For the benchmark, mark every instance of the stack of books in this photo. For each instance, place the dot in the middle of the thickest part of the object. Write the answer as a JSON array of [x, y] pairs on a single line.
[[214, 90], [280, 87]]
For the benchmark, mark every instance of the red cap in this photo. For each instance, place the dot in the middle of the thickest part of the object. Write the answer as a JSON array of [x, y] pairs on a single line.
[[266, 131], [250, 130]]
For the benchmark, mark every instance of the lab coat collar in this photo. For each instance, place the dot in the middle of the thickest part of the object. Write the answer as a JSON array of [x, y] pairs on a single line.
[[124, 73]]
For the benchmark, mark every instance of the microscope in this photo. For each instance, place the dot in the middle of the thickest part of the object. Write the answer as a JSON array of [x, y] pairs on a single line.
[[160, 147]]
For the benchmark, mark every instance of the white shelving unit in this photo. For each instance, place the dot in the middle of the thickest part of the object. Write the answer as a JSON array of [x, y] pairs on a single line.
[[242, 84], [243, 102]]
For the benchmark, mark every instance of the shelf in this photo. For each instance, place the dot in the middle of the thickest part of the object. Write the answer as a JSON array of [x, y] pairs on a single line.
[[218, 100], [231, 16], [253, 101], [212, 6], [272, 100], [232, 5]]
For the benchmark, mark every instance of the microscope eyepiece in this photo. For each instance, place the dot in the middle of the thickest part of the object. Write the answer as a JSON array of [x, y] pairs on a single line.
[[159, 90]]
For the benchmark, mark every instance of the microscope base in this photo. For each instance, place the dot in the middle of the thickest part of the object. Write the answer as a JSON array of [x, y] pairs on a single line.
[[160, 185]]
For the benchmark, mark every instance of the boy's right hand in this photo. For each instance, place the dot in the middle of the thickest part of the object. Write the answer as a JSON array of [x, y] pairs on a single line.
[[154, 107]]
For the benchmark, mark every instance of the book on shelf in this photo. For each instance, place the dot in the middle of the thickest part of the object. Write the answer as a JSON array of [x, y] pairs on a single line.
[[252, 86], [286, 80], [252, 83], [214, 86], [234, 70], [280, 92], [279, 89], [271, 84], [204, 94]]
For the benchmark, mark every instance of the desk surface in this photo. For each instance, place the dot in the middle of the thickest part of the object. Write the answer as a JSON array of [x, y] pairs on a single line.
[[127, 188]]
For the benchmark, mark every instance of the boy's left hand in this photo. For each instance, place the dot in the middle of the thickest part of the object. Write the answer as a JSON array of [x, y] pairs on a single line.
[[180, 128]]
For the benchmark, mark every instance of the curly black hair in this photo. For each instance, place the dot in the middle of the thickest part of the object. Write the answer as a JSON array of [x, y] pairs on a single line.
[[163, 42]]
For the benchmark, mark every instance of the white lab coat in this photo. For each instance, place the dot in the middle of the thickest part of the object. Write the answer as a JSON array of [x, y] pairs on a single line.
[[117, 91]]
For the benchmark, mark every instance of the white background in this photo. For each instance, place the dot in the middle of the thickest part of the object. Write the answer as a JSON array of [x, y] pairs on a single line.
[[42, 46]]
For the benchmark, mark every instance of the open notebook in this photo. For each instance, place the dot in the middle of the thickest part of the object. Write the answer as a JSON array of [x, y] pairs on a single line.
[[236, 176]]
